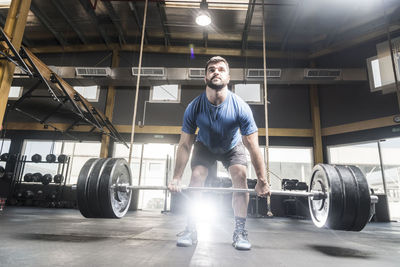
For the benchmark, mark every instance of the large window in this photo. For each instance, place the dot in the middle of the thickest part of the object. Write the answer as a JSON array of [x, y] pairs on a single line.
[[284, 163], [365, 156], [390, 151], [152, 172], [79, 152], [4, 148]]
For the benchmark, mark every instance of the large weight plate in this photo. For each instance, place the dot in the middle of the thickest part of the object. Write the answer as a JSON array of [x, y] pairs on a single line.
[[350, 194], [364, 199], [93, 198], [113, 203], [326, 212], [82, 187]]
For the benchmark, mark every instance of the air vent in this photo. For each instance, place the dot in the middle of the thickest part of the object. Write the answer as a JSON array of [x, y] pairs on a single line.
[[322, 73], [103, 72], [153, 72], [259, 73], [197, 72]]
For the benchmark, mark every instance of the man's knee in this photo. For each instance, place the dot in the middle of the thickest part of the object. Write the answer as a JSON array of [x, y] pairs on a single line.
[[238, 174], [199, 175]]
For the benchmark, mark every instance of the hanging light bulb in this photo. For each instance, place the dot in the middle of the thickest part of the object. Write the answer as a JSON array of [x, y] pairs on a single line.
[[203, 17]]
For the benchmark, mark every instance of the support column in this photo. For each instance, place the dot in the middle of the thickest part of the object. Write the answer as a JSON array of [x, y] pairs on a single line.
[[14, 28], [105, 140], [316, 123]]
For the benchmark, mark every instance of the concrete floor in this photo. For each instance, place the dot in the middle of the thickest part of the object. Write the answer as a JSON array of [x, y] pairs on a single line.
[[62, 237]]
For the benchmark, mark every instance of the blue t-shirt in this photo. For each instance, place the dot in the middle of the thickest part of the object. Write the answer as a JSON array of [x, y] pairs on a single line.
[[219, 125]]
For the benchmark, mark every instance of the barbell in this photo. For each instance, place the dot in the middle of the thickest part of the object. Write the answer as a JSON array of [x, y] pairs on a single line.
[[339, 197]]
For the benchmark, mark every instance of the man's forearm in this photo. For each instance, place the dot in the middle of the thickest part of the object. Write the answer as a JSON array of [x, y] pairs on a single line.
[[182, 158], [251, 143], [259, 166]]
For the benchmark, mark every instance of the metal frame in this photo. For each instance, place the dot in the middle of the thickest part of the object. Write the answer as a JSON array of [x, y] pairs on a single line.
[[85, 113]]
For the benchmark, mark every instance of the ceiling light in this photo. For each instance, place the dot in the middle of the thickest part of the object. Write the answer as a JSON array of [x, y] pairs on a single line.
[[203, 19]]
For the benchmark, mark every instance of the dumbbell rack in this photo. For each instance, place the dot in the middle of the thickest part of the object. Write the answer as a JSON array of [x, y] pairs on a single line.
[[20, 165]]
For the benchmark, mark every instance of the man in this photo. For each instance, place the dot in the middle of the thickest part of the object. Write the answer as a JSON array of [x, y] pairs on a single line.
[[219, 114]]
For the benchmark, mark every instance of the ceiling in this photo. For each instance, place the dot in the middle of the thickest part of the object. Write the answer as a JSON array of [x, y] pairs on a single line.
[[310, 28]]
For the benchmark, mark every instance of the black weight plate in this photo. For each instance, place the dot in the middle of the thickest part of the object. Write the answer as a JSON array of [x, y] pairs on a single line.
[[113, 203], [364, 199], [2, 172], [82, 187], [47, 178], [51, 158], [58, 178], [350, 197], [36, 158], [62, 158], [37, 177], [326, 212], [5, 157], [93, 187], [28, 177]]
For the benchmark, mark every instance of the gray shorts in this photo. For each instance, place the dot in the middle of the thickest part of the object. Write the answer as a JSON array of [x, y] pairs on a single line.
[[203, 156]]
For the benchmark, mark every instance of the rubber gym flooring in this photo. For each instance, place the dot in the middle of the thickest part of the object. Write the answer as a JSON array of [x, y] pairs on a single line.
[[62, 237]]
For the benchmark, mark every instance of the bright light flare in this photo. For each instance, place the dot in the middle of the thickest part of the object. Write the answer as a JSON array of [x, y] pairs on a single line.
[[203, 19], [204, 211]]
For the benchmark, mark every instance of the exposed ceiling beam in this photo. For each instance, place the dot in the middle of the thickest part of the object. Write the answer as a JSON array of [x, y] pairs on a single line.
[[247, 23], [137, 19], [163, 18], [168, 50], [116, 21], [378, 31], [362, 33], [331, 37], [46, 22], [25, 41], [60, 8], [293, 22], [89, 10]]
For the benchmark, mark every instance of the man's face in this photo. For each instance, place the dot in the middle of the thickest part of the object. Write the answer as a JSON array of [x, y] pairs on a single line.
[[217, 76]]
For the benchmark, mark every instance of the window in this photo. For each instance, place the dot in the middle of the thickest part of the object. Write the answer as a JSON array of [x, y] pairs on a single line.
[[79, 152], [380, 71], [390, 149], [365, 156], [153, 171], [42, 148], [165, 93], [91, 93], [15, 92], [250, 92], [284, 163], [4, 148]]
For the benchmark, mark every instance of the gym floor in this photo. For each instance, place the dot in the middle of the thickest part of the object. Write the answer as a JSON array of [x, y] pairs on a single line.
[[57, 237]]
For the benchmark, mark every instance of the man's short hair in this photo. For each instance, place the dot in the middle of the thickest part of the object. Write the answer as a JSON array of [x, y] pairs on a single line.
[[217, 59]]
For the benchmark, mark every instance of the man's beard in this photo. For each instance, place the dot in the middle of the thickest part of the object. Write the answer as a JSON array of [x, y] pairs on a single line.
[[215, 86]]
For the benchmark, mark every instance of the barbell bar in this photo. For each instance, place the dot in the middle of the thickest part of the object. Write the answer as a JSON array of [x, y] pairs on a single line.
[[315, 195], [338, 195]]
